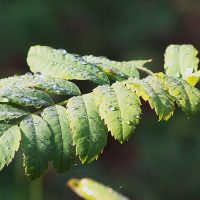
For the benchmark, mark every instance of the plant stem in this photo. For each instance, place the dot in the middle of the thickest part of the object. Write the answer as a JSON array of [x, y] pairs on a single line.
[[35, 190]]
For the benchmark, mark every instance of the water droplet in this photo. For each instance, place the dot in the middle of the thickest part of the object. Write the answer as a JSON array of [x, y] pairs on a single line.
[[29, 74], [127, 122], [111, 108]]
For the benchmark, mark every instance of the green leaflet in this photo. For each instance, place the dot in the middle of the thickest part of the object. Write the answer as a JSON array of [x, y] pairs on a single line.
[[47, 83], [9, 112], [117, 70], [181, 60], [58, 86], [63, 153], [152, 89], [26, 80], [89, 131], [9, 143], [60, 64], [25, 97], [120, 109], [36, 144], [92, 190], [186, 96]]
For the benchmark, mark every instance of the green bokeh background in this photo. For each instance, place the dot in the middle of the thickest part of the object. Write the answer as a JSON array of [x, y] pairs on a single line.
[[161, 160]]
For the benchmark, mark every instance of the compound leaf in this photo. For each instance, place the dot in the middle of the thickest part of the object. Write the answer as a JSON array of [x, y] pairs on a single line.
[[81, 129]]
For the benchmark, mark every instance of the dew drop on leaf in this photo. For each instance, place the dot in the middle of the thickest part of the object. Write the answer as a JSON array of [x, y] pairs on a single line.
[[111, 108]]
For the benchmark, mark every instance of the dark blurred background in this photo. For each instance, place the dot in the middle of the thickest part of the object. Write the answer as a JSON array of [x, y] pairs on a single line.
[[161, 160]]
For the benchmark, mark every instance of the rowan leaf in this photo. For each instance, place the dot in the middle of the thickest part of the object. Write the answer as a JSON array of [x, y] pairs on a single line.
[[25, 97], [120, 109], [187, 97], [81, 129], [9, 112], [89, 131], [181, 60], [58, 86], [92, 190], [152, 89], [63, 152], [10, 138], [40, 81], [117, 70], [37, 144], [60, 64]]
